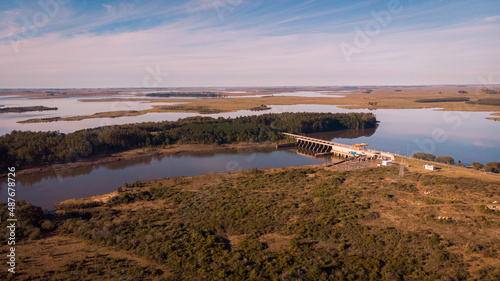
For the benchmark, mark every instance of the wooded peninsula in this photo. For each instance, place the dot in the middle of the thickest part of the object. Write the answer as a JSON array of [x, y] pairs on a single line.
[[27, 149]]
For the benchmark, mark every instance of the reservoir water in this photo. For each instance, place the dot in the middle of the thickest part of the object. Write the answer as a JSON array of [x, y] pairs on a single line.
[[47, 189], [465, 136]]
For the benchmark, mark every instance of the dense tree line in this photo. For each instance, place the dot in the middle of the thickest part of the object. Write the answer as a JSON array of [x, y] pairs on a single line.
[[26, 148], [25, 109], [492, 167], [450, 99], [486, 102], [445, 160], [424, 156], [489, 91], [188, 94], [430, 157]]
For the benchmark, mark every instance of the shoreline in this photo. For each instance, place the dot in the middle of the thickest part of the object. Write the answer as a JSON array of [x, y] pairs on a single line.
[[411, 164], [364, 97], [212, 106], [139, 153]]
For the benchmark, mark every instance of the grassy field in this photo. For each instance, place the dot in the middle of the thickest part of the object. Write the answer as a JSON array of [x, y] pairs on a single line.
[[302, 223], [417, 165]]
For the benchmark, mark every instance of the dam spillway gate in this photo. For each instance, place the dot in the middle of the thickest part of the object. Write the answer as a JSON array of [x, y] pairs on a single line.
[[324, 147]]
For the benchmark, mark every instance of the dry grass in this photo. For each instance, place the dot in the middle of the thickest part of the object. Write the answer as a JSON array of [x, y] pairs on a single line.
[[276, 242], [51, 254], [418, 209], [417, 165]]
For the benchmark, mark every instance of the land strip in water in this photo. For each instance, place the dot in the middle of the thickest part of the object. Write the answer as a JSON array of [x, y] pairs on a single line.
[[25, 109], [449, 98], [494, 117], [33, 149], [98, 160]]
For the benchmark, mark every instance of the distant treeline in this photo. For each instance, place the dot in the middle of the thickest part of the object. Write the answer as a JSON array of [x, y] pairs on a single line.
[[491, 92], [442, 100], [25, 109], [26, 148], [486, 102], [188, 94], [492, 167]]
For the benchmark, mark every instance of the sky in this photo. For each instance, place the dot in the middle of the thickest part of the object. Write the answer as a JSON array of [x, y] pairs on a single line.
[[224, 43]]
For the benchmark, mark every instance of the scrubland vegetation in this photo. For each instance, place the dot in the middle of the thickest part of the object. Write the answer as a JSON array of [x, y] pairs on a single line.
[[285, 224], [25, 149]]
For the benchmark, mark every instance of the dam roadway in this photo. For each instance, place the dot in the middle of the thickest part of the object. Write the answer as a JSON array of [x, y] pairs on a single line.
[[324, 147]]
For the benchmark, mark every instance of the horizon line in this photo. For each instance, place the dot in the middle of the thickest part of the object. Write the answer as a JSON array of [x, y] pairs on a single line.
[[275, 86]]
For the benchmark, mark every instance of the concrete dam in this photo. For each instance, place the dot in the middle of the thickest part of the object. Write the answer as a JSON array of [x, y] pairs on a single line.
[[324, 147]]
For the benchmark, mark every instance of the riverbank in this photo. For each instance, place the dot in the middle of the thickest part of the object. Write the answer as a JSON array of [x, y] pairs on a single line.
[[248, 221], [140, 153], [411, 165]]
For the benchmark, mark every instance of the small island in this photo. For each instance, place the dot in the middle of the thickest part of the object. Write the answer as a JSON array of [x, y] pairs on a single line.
[[26, 109], [260, 108], [188, 94]]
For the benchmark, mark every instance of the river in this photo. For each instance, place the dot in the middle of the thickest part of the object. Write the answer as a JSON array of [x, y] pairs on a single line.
[[47, 189], [465, 136]]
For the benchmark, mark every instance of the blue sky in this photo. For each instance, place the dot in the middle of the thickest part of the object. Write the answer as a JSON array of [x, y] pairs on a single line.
[[68, 43]]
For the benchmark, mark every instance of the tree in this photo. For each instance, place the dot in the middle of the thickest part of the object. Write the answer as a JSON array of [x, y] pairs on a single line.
[[445, 160], [477, 165], [30, 213], [424, 156], [492, 167]]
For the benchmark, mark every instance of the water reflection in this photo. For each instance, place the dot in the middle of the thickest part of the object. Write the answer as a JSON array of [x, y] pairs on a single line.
[[66, 107], [468, 136], [344, 134], [47, 189]]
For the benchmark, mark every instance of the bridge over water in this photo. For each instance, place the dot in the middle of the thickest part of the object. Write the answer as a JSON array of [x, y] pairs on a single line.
[[324, 147]]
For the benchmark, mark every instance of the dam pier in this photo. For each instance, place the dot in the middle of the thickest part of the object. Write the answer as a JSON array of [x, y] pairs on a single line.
[[324, 147]]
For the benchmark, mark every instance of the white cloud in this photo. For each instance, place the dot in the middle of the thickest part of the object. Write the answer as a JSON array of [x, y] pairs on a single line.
[[492, 19], [482, 144], [108, 7], [196, 54]]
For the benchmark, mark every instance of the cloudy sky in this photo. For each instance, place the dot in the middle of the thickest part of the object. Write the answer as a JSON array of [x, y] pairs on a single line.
[[90, 43]]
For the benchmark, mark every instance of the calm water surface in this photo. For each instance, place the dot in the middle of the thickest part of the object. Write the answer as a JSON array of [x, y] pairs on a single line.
[[465, 136], [47, 189]]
